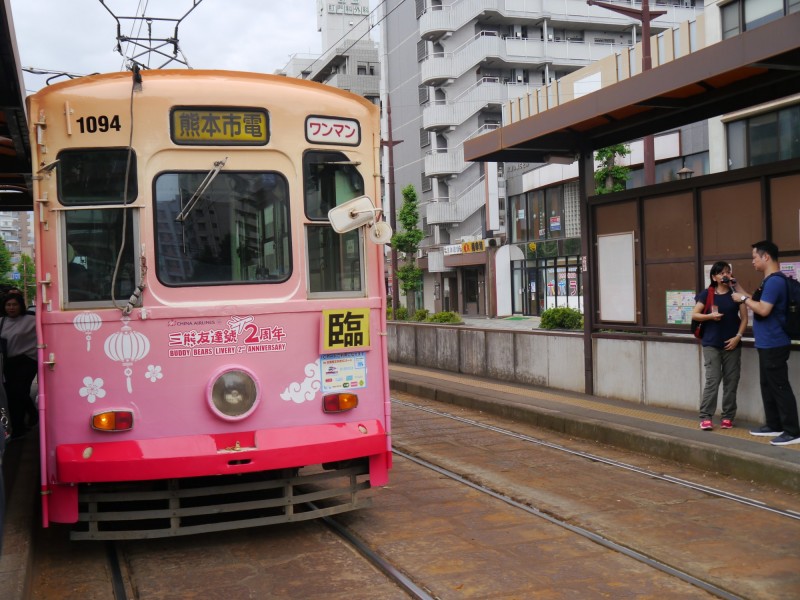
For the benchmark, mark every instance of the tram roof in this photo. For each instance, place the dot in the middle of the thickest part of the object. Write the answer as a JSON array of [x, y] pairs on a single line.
[[15, 150], [757, 66]]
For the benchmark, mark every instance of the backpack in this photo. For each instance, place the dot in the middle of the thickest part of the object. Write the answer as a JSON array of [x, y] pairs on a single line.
[[792, 326]]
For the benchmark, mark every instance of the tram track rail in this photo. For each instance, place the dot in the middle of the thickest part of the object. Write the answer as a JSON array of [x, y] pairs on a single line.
[[388, 569], [708, 490], [581, 531]]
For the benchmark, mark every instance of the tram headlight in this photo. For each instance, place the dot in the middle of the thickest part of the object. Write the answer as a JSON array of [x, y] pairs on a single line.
[[233, 394]]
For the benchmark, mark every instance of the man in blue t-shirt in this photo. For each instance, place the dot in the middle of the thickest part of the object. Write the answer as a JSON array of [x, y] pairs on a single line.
[[773, 344]]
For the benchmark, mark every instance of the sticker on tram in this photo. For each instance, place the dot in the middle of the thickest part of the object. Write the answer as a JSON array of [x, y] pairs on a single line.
[[332, 130], [343, 371], [345, 329]]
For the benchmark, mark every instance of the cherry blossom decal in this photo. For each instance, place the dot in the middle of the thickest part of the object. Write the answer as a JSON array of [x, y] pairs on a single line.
[[154, 373], [92, 389]]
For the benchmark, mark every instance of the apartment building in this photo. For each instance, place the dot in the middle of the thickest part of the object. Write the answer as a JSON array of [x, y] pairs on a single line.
[[349, 59], [16, 229], [448, 71]]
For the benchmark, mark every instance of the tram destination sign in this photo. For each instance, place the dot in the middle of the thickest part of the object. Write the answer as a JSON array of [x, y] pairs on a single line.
[[202, 126]]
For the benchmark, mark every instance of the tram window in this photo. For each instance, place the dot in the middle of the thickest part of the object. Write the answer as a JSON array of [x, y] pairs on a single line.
[[237, 231], [96, 176], [329, 180], [93, 239], [334, 261]]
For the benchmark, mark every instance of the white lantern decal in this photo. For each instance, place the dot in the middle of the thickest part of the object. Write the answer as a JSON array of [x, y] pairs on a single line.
[[127, 347], [87, 323]]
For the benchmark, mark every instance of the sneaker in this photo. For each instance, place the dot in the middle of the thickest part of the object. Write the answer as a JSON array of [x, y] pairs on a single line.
[[706, 425], [765, 431], [726, 424], [785, 439]]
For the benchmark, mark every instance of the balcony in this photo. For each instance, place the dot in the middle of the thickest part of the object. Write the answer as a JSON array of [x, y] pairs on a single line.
[[486, 92], [511, 51], [457, 211], [442, 163], [441, 20]]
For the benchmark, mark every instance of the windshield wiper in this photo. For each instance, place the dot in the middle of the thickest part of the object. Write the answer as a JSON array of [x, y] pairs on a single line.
[[200, 189]]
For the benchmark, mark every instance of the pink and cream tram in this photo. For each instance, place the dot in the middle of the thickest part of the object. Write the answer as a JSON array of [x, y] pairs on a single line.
[[212, 352]]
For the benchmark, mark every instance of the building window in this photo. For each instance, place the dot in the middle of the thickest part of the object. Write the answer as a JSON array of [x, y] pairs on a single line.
[[536, 208], [422, 50], [424, 94], [426, 183], [764, 138], [753, 13], [424, 138], [518, 220]]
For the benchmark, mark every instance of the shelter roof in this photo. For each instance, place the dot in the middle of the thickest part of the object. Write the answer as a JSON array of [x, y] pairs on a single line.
[[757, 66]]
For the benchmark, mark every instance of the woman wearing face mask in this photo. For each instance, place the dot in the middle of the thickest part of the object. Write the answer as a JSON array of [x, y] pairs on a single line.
[[723, 327], [18, 340]]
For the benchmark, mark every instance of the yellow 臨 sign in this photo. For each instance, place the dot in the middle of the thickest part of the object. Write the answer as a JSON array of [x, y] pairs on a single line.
[[345, 329], [212, 126]]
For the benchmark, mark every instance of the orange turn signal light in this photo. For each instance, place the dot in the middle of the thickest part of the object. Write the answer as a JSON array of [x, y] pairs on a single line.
[[332, 403], [113, 420]]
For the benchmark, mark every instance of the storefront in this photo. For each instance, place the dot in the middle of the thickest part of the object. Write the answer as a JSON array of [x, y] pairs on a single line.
[[546, 272]]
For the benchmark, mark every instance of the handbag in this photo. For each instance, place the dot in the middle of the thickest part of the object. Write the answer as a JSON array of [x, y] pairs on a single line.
[[696, 326]]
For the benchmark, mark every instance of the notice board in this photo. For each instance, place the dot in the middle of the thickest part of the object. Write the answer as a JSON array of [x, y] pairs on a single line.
[[616, 277]]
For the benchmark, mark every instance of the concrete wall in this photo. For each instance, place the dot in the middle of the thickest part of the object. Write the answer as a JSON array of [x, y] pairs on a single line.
[[666, 372]]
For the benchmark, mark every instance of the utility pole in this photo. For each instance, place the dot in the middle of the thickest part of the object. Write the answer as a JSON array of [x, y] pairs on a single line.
[[645, 15], [390, 144]]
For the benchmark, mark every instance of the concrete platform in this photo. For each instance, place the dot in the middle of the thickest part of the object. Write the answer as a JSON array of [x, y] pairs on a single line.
[[670, 434]]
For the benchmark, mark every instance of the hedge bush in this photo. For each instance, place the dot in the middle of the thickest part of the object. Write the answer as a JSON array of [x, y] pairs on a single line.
[[423, 316], [561, 317], [444, 317]]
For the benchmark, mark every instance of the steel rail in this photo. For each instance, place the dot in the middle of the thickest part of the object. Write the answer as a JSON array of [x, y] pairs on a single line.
[[585, 533], [614, 463]]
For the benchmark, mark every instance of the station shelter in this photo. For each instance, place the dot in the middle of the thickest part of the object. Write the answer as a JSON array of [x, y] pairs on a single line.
[[641, 247]]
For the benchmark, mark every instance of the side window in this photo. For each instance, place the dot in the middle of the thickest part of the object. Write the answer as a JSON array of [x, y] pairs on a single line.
[[234, 230], [93, 240], [329, 179], [96, 176], [335, 262]]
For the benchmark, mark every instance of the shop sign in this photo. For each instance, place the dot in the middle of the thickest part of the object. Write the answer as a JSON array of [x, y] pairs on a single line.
[[469, 247]]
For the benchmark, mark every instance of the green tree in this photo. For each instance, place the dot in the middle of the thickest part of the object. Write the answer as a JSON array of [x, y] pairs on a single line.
[[27, 271], [611, 177], [5, 265], [407, 241]]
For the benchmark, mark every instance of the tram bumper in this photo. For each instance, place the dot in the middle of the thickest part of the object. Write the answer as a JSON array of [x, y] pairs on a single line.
[[224, 454]]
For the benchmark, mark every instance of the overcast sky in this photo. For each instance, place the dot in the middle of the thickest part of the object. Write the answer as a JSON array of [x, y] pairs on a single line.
[[79, 36]]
